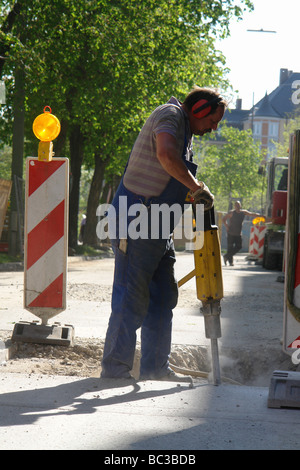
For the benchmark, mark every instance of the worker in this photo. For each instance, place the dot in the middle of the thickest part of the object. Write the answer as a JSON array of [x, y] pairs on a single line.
[[233, 222], [160, 170]]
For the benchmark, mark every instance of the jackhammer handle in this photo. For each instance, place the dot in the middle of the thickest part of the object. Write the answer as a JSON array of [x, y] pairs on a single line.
[[209, 218]]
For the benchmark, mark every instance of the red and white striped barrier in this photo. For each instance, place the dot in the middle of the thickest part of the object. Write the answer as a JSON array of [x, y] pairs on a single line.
[[251, 240], [256, 242], [46, 236]]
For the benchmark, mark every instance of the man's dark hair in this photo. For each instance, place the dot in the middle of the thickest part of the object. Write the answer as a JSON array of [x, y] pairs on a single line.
[[208, 94]]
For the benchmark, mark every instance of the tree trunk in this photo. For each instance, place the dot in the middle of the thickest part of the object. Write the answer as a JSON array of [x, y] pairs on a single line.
[[15, 229], [76, 158], [59, 143], [90, 236]]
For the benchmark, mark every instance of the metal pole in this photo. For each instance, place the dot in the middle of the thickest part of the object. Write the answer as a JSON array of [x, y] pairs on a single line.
[[211, 311], [215, 361]]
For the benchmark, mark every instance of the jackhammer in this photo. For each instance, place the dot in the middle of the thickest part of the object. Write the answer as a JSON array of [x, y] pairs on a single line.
[[209, 284]]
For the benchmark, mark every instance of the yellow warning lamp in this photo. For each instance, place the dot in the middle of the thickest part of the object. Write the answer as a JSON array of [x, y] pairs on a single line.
[[257, 220], [46, 127]]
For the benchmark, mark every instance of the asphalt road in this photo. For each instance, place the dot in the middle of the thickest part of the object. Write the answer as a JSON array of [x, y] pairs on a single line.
[[63, 412]]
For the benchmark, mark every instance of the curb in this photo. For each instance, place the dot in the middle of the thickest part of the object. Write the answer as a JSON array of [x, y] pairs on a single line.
[[18, 266]]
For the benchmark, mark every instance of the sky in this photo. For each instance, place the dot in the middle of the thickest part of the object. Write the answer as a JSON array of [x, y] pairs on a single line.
[[255, 58]]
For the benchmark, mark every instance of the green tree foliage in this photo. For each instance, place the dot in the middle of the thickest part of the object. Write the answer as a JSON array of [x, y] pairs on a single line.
[[5, 163], [229, 165], [103, 66], [290, 127]]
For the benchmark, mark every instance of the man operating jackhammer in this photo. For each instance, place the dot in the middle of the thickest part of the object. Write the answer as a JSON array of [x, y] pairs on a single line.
[[159, 171]]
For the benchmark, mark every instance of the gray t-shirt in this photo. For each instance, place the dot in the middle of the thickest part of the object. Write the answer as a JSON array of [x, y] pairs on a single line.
[[145, 175]]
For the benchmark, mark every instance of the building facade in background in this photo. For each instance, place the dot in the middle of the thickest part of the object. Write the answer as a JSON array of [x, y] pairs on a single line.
[[268, 116]]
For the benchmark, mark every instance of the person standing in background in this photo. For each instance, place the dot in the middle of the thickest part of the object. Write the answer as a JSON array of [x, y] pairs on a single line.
[[233, 222]]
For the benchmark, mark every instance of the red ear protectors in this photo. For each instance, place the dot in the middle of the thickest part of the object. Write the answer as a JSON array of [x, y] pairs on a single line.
[[203, 107]]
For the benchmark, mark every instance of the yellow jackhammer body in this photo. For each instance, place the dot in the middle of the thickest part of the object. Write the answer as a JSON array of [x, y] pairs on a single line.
[[209, 285]]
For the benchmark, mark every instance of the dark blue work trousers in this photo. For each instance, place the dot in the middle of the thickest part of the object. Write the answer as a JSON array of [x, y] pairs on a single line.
[[144, 294]]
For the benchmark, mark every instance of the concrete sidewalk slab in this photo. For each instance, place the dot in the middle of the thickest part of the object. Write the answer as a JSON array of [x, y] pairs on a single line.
[[58, 412]]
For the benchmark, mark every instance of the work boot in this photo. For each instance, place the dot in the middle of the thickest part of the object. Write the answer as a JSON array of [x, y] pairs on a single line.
[[171, 376]]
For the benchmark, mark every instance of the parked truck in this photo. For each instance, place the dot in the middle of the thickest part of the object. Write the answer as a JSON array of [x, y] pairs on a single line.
[[276, 209]]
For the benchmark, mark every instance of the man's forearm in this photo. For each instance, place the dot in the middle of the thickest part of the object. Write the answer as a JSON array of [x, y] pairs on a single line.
[[167, 154], [179, 171]]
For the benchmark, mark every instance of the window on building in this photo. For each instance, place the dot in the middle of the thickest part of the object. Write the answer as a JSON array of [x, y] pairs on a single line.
[[273, 129], [257, 129]]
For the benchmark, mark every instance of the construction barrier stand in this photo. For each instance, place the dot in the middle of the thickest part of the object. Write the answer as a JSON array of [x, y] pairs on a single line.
[[256, 242], [46, 236]]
